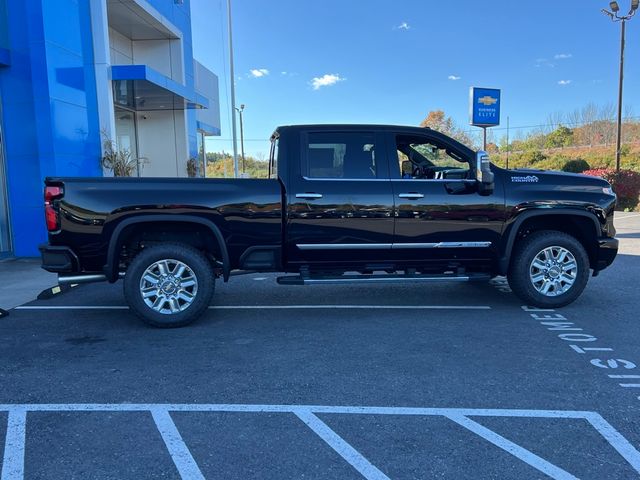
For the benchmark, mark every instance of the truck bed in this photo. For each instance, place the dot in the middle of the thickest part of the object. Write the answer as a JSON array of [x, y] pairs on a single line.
[[247, 212]]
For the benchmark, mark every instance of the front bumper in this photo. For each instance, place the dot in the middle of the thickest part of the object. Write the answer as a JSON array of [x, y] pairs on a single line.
[[607, 251], [58, 259]]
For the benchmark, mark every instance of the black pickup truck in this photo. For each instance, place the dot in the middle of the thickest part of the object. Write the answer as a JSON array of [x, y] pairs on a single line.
[[344, 203]]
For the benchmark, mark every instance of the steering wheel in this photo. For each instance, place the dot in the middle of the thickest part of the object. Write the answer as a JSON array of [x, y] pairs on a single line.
[[424, 172]]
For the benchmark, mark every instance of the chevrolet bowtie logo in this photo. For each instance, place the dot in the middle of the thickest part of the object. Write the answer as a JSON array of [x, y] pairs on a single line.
[[487, 100]]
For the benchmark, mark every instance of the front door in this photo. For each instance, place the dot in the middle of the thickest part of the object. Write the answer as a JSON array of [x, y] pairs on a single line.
[[439, 214], [340, 200]]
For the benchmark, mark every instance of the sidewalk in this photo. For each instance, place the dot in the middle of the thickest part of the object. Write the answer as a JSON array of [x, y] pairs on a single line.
[[22, 281]]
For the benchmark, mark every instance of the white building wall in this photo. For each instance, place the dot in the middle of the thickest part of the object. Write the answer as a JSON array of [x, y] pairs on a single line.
[[121, 48], [206, 83], [102, 65], [162, 140], [161, 55]]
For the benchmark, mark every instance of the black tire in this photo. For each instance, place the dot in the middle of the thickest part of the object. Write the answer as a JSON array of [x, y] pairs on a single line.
[[524, 253], [199, 265]]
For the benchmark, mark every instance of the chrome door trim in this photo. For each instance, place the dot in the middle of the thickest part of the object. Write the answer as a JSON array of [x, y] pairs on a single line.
[[407, 246], [411, 196], [392, 246], [309, 196], [463, 245], [344, 246], [337, 179], [402, 246]]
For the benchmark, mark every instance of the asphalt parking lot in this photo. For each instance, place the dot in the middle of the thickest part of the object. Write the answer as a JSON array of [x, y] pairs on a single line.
[[403, 381]]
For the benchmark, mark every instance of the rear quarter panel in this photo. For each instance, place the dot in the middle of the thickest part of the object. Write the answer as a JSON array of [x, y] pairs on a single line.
[[248, 212]]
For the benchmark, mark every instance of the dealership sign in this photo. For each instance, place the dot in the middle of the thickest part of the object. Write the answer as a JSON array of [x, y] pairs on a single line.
[[484, 107]]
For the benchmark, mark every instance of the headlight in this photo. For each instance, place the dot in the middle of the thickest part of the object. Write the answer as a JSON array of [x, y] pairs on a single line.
[[607, 190]]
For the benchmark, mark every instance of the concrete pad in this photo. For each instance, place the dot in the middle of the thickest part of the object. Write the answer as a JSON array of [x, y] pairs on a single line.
[[22, 281]]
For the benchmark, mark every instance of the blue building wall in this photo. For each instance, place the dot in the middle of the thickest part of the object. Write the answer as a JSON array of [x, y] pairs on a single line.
[[49, 108], [49, 102]]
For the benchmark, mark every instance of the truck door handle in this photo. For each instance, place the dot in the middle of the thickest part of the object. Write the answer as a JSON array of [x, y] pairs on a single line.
[[411, 196], [309, 196]]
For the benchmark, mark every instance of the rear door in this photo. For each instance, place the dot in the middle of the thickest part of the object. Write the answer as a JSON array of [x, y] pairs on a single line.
[[439, 213], [339, 200]]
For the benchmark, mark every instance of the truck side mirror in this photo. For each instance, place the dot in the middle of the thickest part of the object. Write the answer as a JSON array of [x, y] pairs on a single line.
[[484, 175]]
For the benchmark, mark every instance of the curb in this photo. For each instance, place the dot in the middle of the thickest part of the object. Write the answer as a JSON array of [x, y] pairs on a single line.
[[48, 293]]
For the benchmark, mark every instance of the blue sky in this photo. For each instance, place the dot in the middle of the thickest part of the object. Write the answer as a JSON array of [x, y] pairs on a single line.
[[392, 61]]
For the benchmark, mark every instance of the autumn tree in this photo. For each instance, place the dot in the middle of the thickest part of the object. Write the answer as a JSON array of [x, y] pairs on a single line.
[[437, 120]]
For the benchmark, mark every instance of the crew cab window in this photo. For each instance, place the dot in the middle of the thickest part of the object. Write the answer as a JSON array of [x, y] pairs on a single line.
[[348, 155], [422, 159]]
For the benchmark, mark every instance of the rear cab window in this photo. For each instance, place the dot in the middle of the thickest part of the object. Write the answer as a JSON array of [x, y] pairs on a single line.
[[340, 155]]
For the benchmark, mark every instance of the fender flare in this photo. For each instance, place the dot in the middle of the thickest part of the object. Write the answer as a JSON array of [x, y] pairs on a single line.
[[503, 265], [110, 268]]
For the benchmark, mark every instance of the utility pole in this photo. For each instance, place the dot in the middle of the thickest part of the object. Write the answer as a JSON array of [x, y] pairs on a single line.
[[233, 96], [240, 110], [508, 146], [615, 17]]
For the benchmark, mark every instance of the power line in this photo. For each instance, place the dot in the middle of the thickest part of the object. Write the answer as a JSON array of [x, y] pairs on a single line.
[[564, 124]]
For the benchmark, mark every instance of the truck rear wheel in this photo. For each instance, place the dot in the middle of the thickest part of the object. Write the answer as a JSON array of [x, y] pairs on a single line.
[[549, 269], [169, 285]]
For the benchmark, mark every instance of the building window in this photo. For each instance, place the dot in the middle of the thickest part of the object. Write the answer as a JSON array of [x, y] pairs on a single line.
[[5, 240], [127, 133], [202, 155]]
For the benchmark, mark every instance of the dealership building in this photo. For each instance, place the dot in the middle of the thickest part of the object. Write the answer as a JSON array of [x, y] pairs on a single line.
[[74, 73]]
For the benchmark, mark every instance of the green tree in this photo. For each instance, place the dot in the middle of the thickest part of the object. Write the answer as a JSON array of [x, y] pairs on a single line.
[[560, 137]]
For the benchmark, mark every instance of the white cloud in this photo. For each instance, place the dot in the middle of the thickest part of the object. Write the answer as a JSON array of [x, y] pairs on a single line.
[[543, 62], [259, 72], [562, 56], [326, 80], [453, 77], [283, 73], [404, 26], [564, 82]]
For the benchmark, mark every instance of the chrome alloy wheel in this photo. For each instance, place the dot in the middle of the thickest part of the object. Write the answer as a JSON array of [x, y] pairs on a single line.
[[168, 286], [553, 271]]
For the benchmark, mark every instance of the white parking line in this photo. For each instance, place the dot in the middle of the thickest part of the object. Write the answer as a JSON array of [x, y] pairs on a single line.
[[271, 307], [342, 448], [514, 449], [186, 465], [13, 459], [13, 465]]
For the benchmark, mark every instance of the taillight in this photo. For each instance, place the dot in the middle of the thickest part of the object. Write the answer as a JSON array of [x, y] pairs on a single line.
[[50, 213]]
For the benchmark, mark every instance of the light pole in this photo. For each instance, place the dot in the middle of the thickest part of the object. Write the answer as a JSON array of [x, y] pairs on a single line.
[[240, 110], [616, 17], [233, 94]]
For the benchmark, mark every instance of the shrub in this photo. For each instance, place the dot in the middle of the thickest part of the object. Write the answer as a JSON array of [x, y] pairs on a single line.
[[549, 164], [118, 160], [626, 184], [577, 165], [192, 168], [625, 150]]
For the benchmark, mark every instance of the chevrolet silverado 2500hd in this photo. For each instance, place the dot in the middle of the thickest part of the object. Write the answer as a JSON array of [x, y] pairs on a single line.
[[344, 203]]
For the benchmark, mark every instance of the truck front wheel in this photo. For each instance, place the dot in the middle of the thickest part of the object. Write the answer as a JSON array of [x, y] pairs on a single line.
[[169, 285], [549, 269]]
